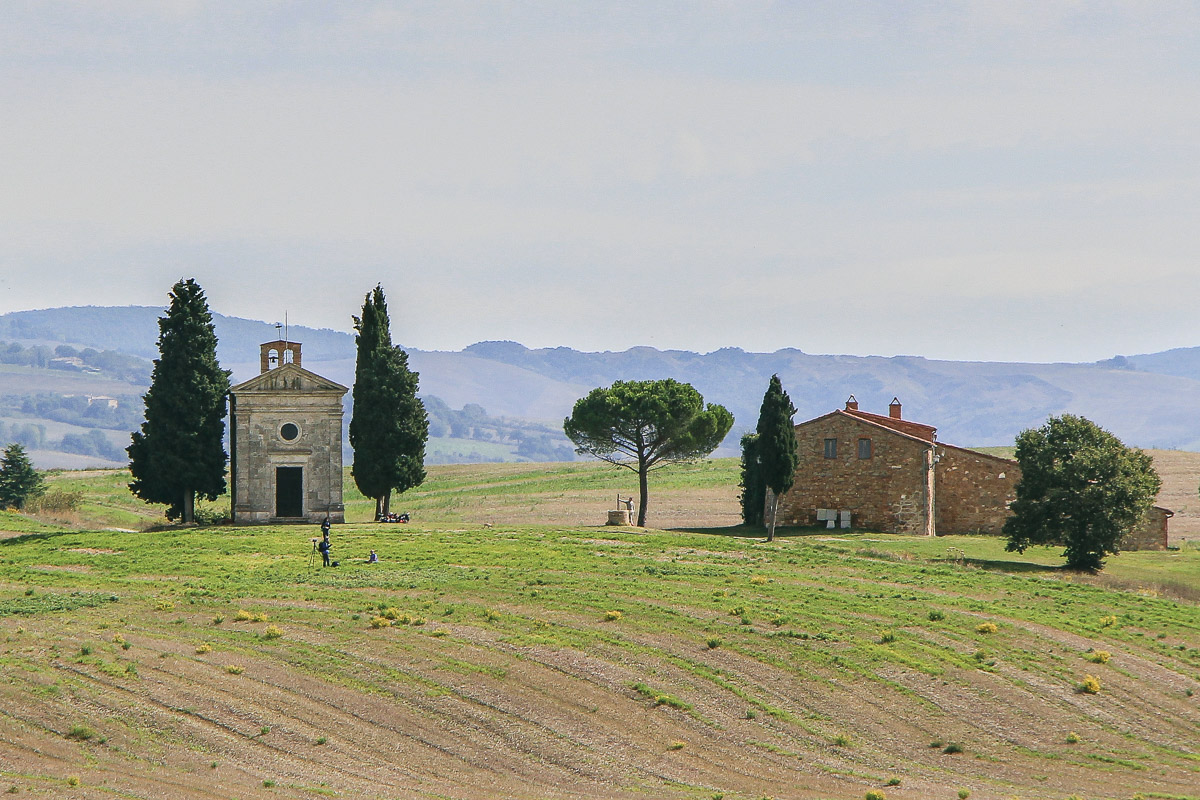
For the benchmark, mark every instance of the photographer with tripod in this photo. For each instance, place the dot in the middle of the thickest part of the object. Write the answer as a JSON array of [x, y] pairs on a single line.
[[323, 547]]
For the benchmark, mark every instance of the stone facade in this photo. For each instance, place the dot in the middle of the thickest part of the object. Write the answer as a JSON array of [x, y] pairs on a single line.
[[886, 489], [286, 442], [973, 490], [1151, 534], [892, 475]]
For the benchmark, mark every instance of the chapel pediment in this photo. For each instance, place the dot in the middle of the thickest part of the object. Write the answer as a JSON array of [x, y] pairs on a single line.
[[289, 378]]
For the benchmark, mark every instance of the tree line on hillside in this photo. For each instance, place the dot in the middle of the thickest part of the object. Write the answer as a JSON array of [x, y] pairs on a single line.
[[109, 363]]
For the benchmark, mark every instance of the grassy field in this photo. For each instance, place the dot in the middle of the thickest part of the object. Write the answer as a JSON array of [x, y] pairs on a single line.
[[547, 656]]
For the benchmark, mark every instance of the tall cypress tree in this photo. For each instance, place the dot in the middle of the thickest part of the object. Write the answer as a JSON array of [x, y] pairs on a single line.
[[179, 453], [754, 490], [777, 456], [389, 427]]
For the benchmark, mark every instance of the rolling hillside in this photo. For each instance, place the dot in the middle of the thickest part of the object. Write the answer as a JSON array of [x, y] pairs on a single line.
[[1147, 400], [535, 659]]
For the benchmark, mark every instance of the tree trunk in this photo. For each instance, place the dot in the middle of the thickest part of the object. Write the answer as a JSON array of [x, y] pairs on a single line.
[[189, 506], [774, 501], [387, 503], [378, 508], [643, 494]]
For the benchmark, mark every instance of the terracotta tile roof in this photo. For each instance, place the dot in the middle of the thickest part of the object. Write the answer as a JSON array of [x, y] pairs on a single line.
[[926, 432]]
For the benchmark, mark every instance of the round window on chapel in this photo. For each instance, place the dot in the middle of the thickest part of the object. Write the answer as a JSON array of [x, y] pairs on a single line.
[[289, 431]]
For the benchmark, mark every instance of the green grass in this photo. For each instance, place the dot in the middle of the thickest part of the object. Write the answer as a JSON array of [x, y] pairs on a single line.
[[891, 618]]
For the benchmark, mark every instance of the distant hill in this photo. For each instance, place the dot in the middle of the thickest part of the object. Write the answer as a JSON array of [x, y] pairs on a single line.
[[1148, 400]]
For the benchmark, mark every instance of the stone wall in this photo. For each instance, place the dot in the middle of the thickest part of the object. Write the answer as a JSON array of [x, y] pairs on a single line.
[[885, 492], [1151, 534], [973, 491]]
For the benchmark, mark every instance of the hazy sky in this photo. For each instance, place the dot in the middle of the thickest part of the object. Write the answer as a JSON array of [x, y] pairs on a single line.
[[995, 181]]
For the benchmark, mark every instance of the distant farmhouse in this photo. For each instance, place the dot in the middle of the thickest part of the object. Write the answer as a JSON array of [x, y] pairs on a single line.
[[888, 474], [285, 434]]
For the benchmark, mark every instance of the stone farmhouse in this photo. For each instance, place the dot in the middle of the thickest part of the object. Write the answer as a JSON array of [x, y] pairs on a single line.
[[285, 437], [890, 474]]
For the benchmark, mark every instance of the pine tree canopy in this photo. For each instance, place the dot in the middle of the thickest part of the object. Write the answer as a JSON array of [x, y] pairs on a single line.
[[178, 453], [643, 425], [389, 427]]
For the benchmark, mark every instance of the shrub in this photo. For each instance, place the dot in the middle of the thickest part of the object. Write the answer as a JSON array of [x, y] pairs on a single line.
[[118, 639], [676, 745], [264, 730], [80, 732], [235, 669], [55, 501], [1073, 738], [713, 642], [203, 648], [322, 740], [986, 627], [612, 616], [759, 580], [73, 780], [887, 637], [164, 605], [242, 616], [1089, 685], [1099, 656], [272, 632], [875, 794], [86, 650], [952, 749], [1109, 621], [218, 619], [937, 615], [963, 794], [380, 622], [842, 740], [268, 783], [893, 781], [391, 613]]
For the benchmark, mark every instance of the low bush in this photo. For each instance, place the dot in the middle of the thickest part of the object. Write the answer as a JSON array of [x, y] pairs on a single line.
[[1073, 738], [612, 616], [80, 733], [272, 632], [713, 642], [986, 627], [936, 615], [875, 794], [1089, 685], [380, 622], [952, 749], [235, 669], [1099, 656]]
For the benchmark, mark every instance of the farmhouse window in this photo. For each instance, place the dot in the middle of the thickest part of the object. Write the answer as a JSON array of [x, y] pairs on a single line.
[[831, 448], [864, 448]]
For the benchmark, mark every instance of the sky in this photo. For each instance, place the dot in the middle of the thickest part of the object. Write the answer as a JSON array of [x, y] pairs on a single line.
[[1000, 181]]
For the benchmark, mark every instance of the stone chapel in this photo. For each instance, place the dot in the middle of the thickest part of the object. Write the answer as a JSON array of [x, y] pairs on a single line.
[[285, 440]]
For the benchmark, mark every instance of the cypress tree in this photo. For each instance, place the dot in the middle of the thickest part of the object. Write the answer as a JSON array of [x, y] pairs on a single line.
[[19, 481], [179, 454], [777, 456], [389, 427], [754, 491]]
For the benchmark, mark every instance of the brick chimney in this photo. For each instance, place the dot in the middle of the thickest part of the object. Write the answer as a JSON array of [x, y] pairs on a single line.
[[851, 404], [894, 408]]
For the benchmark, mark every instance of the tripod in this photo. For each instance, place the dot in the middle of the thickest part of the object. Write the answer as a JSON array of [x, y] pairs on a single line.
[[312, 555]]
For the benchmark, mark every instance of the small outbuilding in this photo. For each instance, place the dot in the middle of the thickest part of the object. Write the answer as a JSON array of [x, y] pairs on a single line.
[[285, 439]]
